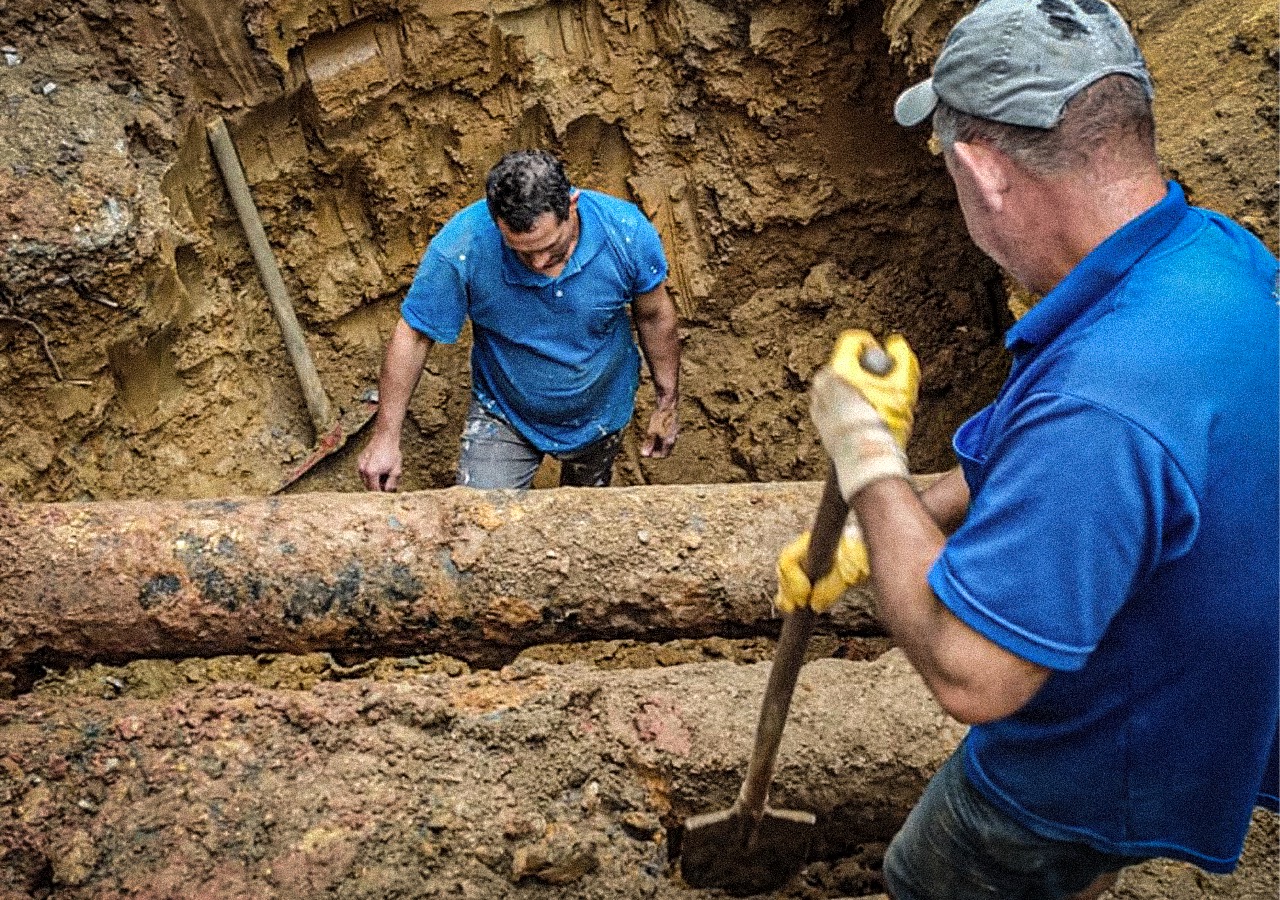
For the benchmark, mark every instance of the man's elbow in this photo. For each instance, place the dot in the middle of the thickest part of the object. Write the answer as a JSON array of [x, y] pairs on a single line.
[[978, 703], [967, 708], [974, 679]]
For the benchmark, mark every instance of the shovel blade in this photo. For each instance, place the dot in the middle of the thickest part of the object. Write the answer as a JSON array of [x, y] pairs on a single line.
[[349, 423], [728, 850]]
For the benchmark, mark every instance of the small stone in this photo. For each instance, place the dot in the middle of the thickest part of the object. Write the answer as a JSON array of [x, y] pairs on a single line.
[[130, 727], [562, 857], [641, 825], [491, 857], [48, 88], [642, 536], [74, 863], [527, 861], [591, 797]]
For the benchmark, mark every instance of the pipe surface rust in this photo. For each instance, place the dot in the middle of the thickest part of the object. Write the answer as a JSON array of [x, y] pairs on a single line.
[[540, 780], [475, 574]]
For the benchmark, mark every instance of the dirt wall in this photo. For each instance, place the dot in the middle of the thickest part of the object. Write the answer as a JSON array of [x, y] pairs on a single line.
[[138, 356]]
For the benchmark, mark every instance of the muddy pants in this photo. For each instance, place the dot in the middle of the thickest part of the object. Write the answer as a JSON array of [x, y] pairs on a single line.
[[956, 845], [495, 455]]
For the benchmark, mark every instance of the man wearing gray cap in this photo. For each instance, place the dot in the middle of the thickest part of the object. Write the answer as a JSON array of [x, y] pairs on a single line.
[[1095, 588]]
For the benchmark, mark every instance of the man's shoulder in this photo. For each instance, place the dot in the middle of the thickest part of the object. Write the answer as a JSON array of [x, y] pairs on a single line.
[[1210, 249], [625, 228], [615, 211], [468, 231]]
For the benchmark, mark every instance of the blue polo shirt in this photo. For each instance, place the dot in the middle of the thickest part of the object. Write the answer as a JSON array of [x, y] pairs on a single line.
[[553, 357], [1123, 533]]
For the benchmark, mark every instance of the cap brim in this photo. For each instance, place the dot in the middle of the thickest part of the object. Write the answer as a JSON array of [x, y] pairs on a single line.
[[915, 104]]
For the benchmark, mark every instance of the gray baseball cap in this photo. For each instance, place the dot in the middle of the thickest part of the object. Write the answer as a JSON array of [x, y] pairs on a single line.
[[1020, 61]]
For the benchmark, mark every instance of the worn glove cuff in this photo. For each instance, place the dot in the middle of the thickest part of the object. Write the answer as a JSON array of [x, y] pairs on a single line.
[[860, 445], [854, 477]]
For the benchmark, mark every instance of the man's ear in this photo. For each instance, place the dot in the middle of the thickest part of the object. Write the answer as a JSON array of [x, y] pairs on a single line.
[[987, 168]]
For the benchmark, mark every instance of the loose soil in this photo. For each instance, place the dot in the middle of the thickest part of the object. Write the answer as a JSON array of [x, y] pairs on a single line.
[[139, 360]]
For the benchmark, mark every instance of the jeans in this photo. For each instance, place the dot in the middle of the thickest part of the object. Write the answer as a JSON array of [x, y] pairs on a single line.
[[495, 455], [956, 845]]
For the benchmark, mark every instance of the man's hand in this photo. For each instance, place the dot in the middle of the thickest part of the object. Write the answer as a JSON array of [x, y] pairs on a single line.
[[850, 567], [864, 419], [894, 393], [664, 426], [380, 463]]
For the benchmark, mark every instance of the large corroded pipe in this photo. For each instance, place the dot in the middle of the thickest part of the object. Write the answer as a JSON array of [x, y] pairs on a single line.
[[537, 781], [476, 574]]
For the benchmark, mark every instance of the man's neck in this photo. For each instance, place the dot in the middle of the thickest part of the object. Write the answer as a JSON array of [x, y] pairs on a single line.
[[1076, 213], [576, 223]]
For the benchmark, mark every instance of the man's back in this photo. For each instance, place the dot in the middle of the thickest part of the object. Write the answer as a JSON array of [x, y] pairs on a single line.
[[1137, 440]]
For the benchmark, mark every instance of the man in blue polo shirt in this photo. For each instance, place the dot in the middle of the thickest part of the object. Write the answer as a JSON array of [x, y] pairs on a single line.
[[552, 279], [1095, 587]]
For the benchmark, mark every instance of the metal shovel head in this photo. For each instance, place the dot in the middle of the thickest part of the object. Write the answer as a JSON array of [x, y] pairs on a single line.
[[728, 850], [349, 422]]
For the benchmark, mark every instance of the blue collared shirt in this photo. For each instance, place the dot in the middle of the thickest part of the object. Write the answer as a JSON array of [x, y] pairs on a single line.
[[1123, 533], [554, 357]]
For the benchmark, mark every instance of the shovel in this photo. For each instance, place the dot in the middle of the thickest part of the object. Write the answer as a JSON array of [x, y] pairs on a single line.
[[331, 429], [751, 848]]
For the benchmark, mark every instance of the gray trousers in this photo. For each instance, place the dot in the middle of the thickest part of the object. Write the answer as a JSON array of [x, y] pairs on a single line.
[[495, 455]]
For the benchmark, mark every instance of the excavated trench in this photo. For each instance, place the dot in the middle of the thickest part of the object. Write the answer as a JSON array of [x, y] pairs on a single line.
[[447, 692]]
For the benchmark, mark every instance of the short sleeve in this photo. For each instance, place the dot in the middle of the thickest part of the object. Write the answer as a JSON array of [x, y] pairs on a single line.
[[436, 302], [1076, 506], [648, 259]]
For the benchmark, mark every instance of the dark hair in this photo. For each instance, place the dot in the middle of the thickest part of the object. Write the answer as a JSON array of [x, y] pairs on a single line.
[[524, 185], [1114, 113]]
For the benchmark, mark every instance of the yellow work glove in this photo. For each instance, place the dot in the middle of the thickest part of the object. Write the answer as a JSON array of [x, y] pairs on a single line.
[[864, 419], [847, 569], [893, 395]]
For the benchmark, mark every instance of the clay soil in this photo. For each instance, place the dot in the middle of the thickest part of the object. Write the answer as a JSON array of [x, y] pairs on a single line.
[[139, 359]]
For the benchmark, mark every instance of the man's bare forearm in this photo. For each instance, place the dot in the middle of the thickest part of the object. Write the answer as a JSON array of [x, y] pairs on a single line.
[[973, 678], [401, 370], [658, 333]]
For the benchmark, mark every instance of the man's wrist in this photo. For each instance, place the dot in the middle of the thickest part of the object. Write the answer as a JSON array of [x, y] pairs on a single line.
[[868, 470], [385, 429]]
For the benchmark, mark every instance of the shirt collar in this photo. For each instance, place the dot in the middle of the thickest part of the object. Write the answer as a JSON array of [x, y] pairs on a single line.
[[590, 240], [1097, 274]]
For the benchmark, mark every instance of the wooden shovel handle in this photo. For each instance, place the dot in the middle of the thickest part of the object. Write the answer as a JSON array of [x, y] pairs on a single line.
[[824, 538], [789, 657], [224, 151]]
